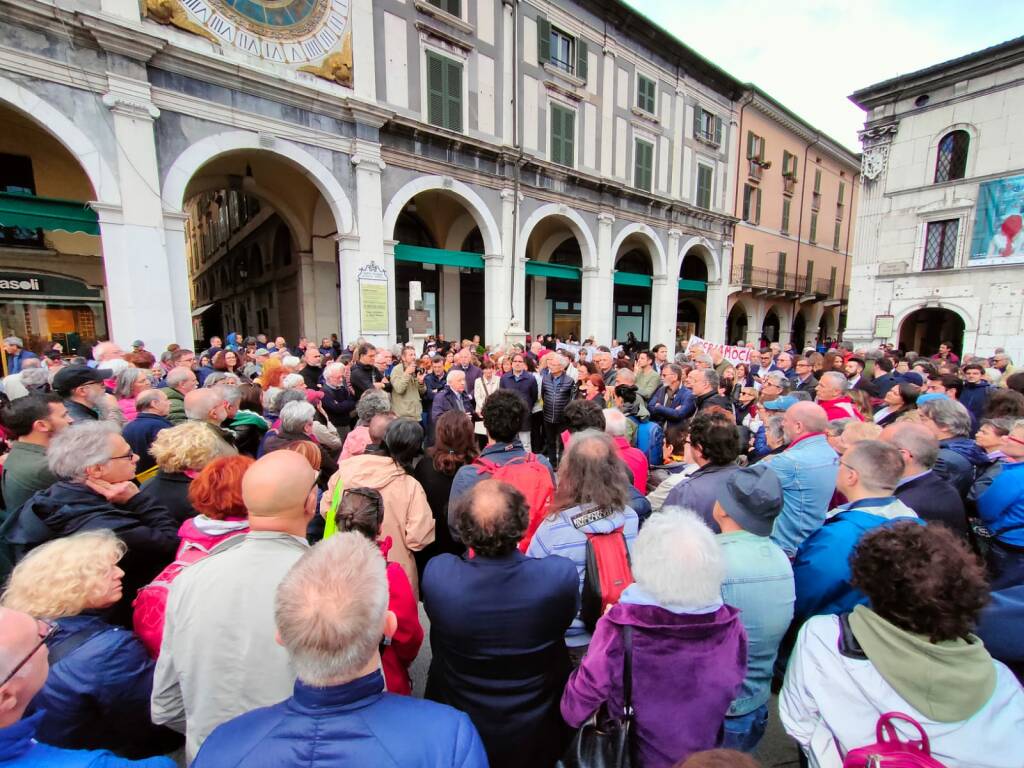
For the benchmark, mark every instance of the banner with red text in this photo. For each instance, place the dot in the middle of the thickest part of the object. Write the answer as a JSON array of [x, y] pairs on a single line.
[[728, 352]]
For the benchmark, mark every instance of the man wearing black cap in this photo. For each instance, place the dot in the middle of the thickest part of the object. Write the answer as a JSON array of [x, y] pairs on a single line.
[[82, 390], [758, 581]]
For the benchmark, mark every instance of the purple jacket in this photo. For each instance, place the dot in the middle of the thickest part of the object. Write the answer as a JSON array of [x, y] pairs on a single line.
[[687, 668]]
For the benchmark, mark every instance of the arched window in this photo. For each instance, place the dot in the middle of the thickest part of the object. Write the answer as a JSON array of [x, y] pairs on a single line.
[[951, 162]]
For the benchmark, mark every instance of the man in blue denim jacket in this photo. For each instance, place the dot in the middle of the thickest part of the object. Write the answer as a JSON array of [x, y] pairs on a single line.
[[758, 581], [807, 471]]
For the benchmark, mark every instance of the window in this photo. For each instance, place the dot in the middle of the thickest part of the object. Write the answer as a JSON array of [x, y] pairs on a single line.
[[751, 204], [706, 126], [643, 164], [780, 279], [837, 236], [646, 94], [788, 164], [560, 49], [704, 181], [748, 263], [809, 285], [785, 215], [816, 195], [444, 92], [813, 237], [832, 282], [16, 176], [952, 160], [841, 201], [940, 244], [563, 135], [755, 147], [454, 7]]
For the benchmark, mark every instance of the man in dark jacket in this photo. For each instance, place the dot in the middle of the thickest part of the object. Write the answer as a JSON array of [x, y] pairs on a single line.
[[152, 407], [672, 402], [311, 371], [97, 465], [435, 381], [498, 622], [83, 391], [524, 384], [713, 447], [959, 456], [805, 380], [364, 374], [339, 402], [556, 390], [974, 395], [338, 712], [932, 498], [703, 383], [453, 397], [464, 363]]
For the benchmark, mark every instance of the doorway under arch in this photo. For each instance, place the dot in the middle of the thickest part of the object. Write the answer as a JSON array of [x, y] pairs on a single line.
[[771, 326], [632, 293], [925, 329], [737, 325]]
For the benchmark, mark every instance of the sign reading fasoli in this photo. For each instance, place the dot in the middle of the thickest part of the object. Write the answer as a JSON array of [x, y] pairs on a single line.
[[27, 284]]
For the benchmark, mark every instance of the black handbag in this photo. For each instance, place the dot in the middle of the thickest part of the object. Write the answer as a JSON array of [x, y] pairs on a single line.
[[605, 742]]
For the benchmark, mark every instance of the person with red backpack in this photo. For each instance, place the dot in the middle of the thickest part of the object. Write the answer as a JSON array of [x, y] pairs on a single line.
[[505, 459], [590, 520]]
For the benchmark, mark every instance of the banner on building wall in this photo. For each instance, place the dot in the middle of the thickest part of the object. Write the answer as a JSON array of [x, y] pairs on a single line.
[[998, 232], [734, 355], [373, 299]]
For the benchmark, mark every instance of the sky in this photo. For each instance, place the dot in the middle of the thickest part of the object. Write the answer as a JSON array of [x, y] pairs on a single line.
[[811, 54]]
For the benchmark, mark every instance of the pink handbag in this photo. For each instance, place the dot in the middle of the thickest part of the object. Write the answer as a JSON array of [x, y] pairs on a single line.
[[889, 751]]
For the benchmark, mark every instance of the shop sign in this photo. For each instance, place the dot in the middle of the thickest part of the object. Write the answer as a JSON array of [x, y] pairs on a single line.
[[28, 284]]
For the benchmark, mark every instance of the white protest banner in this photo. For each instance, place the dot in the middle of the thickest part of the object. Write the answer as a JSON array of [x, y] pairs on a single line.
[[733, 354]]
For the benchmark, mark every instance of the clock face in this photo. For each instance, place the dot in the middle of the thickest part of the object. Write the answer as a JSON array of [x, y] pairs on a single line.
[[286, 31]]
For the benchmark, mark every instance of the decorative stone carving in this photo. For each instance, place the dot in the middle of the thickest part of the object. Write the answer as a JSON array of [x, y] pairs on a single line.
[[876, 141], [171, 12], [337, 67]]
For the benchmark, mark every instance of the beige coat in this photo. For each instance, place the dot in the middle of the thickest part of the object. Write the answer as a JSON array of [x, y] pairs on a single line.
[[407, 516], [406, 392]]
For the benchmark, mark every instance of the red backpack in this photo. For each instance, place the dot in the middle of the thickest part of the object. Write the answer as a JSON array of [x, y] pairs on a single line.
[[150, 605], [530, 478], [889, 751], [606, 576]]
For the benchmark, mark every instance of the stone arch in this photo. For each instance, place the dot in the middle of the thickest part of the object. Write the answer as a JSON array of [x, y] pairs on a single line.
[[53, 121], [300, 231], [588, 248], [459, 231], [203, 151], [965, 314], [711, 258], [659, 261], [473, 202], [549, 246]]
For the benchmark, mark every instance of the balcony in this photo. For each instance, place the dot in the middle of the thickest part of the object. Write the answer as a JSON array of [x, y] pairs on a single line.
[[788, 185], [755, 170], [771, 282]]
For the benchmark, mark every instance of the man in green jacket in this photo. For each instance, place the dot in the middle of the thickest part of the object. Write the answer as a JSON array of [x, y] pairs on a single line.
[[647, 379], [33, 421], [180, 381], [407, 387]]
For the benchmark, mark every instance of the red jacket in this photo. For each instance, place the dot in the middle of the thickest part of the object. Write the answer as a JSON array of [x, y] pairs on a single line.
[[840, 408], [636, 461], [398, 657]]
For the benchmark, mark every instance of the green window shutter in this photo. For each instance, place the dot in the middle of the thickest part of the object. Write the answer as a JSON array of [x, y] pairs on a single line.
[[704, 176], [780, 277], [817, 181], [748, 262], [760, 155], [453, 7], [813, 237], [435, 89], [838, 235], [832, 282], [563, 124], [543, 40], [718, 130], [568, 137], [581, 59], [810, 277], [555, 148], [453, 91], [782, 261], [696, 121], [757, 214], [842, 192], [643, 165], [645, 93], [750, 145], [785, 214]]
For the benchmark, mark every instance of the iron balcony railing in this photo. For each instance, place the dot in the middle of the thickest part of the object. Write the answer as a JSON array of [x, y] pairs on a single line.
[[788, 282]]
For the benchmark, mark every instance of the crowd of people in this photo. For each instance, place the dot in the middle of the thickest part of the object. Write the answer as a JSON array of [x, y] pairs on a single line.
[[222, 556]]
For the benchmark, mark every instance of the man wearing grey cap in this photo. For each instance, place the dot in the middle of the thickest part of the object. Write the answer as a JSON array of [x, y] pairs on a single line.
[[758, 581]]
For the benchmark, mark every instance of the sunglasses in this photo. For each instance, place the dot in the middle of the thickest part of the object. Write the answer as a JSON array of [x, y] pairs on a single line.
[[50, 631]]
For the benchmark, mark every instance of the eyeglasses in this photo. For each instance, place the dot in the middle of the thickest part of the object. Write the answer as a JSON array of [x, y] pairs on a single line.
[[129, 455], [848, 466], [44, 635]]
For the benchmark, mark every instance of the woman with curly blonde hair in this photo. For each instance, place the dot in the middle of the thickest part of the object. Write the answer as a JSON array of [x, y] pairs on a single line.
[[180, 453], [100, 681]]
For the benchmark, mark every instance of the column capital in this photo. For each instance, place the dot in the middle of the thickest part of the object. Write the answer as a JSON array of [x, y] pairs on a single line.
[[368, 162], [348, 240], [605, 218], [492, 259], [108, 213], [675, 233]]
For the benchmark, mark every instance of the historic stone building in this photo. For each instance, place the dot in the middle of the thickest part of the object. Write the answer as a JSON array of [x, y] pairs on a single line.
[[300, 167], [940, 248]]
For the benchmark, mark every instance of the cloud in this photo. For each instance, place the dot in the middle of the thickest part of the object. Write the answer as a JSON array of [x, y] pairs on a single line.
[[811, 55]]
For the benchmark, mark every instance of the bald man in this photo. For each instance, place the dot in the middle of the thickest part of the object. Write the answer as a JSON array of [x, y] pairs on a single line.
[[807, 471], [24, 658], [219, 657], [209, 407]]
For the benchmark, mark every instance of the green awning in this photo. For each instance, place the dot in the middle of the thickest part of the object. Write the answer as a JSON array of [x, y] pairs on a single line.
[[423, 255], [693, 285], [556, 271], [631, 278], [47, 213]]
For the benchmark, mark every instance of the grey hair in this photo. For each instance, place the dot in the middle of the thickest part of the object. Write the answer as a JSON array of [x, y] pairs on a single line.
[[146, 398], [178, 376], [14, 341], [706, 359], [948, 415], [292, 381], [625, 376], [614, 422], [34, 377], [330, 607], [231, 393], [199, 403], [295, 416], [455, 373], [677, 560], [773, 428], [710, 376], [838, 380], [565, 362], [784, 382], [80, 446], [331, 368], [290, 362], [372, 402], [836, 427], [125, 381], [220, 378], [918, 441], [285, 396]]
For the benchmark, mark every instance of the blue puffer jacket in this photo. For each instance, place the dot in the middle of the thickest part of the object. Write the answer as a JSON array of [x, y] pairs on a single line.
[[679, 407], [355, 724], [959, 461], [1002, 506], [97, 696]]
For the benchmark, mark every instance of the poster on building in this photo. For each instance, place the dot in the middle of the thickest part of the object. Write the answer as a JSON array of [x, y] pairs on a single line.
[[734, 355], [998, 234], [373, 299]]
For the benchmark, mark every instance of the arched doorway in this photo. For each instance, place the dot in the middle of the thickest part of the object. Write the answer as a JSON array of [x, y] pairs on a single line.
[[923, 330], [692, 302], [737, 325], [554, 291], [51, 256], [771, 326], [633, 282], [798, 333]]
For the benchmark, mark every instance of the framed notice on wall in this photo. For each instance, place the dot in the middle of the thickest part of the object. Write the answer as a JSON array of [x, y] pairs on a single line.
[[374, 316], [884, 326]]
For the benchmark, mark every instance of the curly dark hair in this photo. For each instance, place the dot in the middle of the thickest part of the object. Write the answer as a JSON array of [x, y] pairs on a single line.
[[491, 518], [454, 442], [922, 578], [584, 414], [716, 437], [504, 412]]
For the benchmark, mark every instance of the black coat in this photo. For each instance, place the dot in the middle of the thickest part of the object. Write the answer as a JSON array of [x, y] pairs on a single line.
[[170, 489], [140, 434], [339, 403], [363, 377], [810, 386], [438, 487], [556, 394], [497, 629], [935, 501]]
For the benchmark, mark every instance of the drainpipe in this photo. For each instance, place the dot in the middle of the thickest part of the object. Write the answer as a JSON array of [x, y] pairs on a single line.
[[799, 232], [517, 170]]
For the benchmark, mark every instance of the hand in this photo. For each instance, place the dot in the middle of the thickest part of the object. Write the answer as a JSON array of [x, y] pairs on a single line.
[[411, 369], [421, 377], [379, 384], [117, 493]]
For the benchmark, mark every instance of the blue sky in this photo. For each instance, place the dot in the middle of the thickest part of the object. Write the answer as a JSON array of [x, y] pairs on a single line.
[[811, 55]]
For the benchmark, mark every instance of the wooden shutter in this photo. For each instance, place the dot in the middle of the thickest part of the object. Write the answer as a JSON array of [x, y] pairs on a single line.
[[563, 124], [748, 262], [838, 236], [780, 278], [696, 121], [785, 214], [643, 152], [750, 145], [555, 152], [435, 89], [543, 40], [842, 192], [581, 59], [810, 277], [817, 181], [703, 186], [813, 237], [453, 90], [718, 130], [568, 137], [453, 7], [832, 282], [757, 215]]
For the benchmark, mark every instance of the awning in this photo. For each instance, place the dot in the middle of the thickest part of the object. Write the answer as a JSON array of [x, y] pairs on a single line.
[[47, 213], [556, 271], [421, 255], [199, 310], [698, 286], [632, 278]]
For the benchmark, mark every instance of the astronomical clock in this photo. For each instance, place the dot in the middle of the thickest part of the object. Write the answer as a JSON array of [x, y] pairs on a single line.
[[315, 36]]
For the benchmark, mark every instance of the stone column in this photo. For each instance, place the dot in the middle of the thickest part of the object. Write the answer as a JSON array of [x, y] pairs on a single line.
[[716, 317], [598, 315], [449, 309], [539, 318], [307, 293], [664, 306], [497, 309]]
